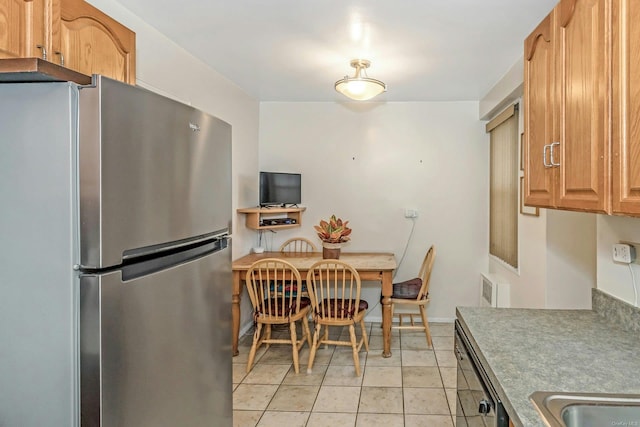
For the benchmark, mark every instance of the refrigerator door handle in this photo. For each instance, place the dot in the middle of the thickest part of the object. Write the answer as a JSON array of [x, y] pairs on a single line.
[[144, 267], [132, 254], [166, 255]]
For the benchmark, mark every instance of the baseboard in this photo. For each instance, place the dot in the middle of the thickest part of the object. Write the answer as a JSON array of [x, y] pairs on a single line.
[[378, 319], [373, 319], [245, 328]]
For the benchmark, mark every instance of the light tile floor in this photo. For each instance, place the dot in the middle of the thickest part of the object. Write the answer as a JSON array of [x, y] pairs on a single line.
[[414, 387]]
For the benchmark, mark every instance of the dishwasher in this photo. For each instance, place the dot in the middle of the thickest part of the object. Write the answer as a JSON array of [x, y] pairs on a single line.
[[477, 401]]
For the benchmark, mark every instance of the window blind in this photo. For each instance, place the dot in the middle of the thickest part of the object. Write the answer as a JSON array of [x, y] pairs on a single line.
[[503, 192]]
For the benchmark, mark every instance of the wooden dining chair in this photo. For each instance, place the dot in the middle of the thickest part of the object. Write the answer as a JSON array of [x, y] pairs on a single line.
[[334, 289], [412, 296], [298, 245], [270, 283]]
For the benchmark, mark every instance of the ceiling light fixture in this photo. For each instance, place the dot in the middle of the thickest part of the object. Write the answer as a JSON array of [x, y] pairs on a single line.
[[360, 87]]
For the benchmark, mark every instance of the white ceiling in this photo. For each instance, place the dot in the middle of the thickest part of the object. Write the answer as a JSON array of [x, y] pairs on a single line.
[[294, 50]]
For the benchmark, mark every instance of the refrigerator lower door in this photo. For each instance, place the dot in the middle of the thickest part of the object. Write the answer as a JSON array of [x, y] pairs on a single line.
[[156, 350]]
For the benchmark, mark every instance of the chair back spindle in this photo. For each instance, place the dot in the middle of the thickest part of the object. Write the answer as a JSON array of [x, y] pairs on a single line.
[[298, 245], [272, 285], [334, 288]]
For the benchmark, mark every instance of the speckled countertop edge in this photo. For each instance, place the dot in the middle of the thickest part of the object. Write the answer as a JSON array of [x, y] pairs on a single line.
[[527, 350]]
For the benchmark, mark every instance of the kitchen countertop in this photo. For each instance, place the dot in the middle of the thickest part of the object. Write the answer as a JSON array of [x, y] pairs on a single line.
[[527, 350]]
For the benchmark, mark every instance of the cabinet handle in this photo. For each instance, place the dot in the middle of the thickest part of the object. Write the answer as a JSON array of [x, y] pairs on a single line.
[[61, 58], [544, 156], [44, 51], [553, 162]]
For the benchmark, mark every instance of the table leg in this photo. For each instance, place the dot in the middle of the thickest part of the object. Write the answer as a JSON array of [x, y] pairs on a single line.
[[235, 312], [387, 289]]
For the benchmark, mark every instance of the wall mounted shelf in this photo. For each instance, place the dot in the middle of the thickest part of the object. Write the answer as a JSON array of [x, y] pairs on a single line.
[[260, 218]]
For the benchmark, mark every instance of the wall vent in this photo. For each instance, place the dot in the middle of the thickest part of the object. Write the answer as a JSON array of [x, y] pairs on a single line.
[[494, 291]]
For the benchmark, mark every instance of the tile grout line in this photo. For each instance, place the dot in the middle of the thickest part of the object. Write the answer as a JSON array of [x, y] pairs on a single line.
[[358, 414]]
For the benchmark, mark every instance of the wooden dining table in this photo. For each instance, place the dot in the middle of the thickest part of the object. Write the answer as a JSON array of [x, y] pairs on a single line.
[[371, 266]]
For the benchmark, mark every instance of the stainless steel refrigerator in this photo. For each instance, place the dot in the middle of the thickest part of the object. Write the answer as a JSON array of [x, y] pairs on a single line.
[[115, 258]]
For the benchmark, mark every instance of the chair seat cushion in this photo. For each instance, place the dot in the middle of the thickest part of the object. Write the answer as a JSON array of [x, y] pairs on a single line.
[[330, 306], [408, 289], [274, 305]]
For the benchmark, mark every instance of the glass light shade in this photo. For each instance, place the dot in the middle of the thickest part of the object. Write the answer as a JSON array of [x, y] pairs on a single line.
[[360, 88]]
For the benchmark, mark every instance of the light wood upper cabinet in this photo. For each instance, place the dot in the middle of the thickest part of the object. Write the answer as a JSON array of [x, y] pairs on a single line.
[[567, 97], [538, 114], [22, 28], [583, 96], [626, 107], [93, 43], [73, 33]]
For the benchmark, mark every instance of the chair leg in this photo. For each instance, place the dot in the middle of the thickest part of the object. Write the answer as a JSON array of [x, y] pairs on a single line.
[[314, 347], [427, 332], [294, 346], [365, 338], [306, 331], [354, 348], [326, 337], [267, 334], [254, 346]]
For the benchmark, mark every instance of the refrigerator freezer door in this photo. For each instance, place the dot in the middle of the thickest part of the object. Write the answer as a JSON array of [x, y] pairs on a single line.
[[156, 350], [152, 171]]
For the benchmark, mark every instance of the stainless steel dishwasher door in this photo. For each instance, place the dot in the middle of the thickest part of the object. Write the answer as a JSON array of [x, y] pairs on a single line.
[[476, 405]]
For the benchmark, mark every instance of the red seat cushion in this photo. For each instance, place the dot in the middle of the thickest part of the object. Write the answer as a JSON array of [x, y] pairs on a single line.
[[408, 289], [277, 304], [331, 306]]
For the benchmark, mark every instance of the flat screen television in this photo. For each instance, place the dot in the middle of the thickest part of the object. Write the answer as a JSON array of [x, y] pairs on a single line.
[[280, 189]]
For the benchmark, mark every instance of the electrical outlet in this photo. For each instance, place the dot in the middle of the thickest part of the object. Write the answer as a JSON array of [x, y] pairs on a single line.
[[633, 245], [410, 213], [623, 252]]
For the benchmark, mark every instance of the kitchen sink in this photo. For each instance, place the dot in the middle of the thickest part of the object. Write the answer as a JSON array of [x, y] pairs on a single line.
[[587, 409]]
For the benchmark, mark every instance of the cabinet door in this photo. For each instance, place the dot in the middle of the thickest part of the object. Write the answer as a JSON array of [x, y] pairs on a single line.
[[538, 114], [582, 78], [626, 107], [94, 43], [23, 28]]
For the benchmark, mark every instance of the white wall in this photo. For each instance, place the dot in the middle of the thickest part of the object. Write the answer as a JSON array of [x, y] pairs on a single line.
[[507, 91], [571, 259], [557, 257], [528, 282], [164, 67], [368, 162], [615, 278]]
